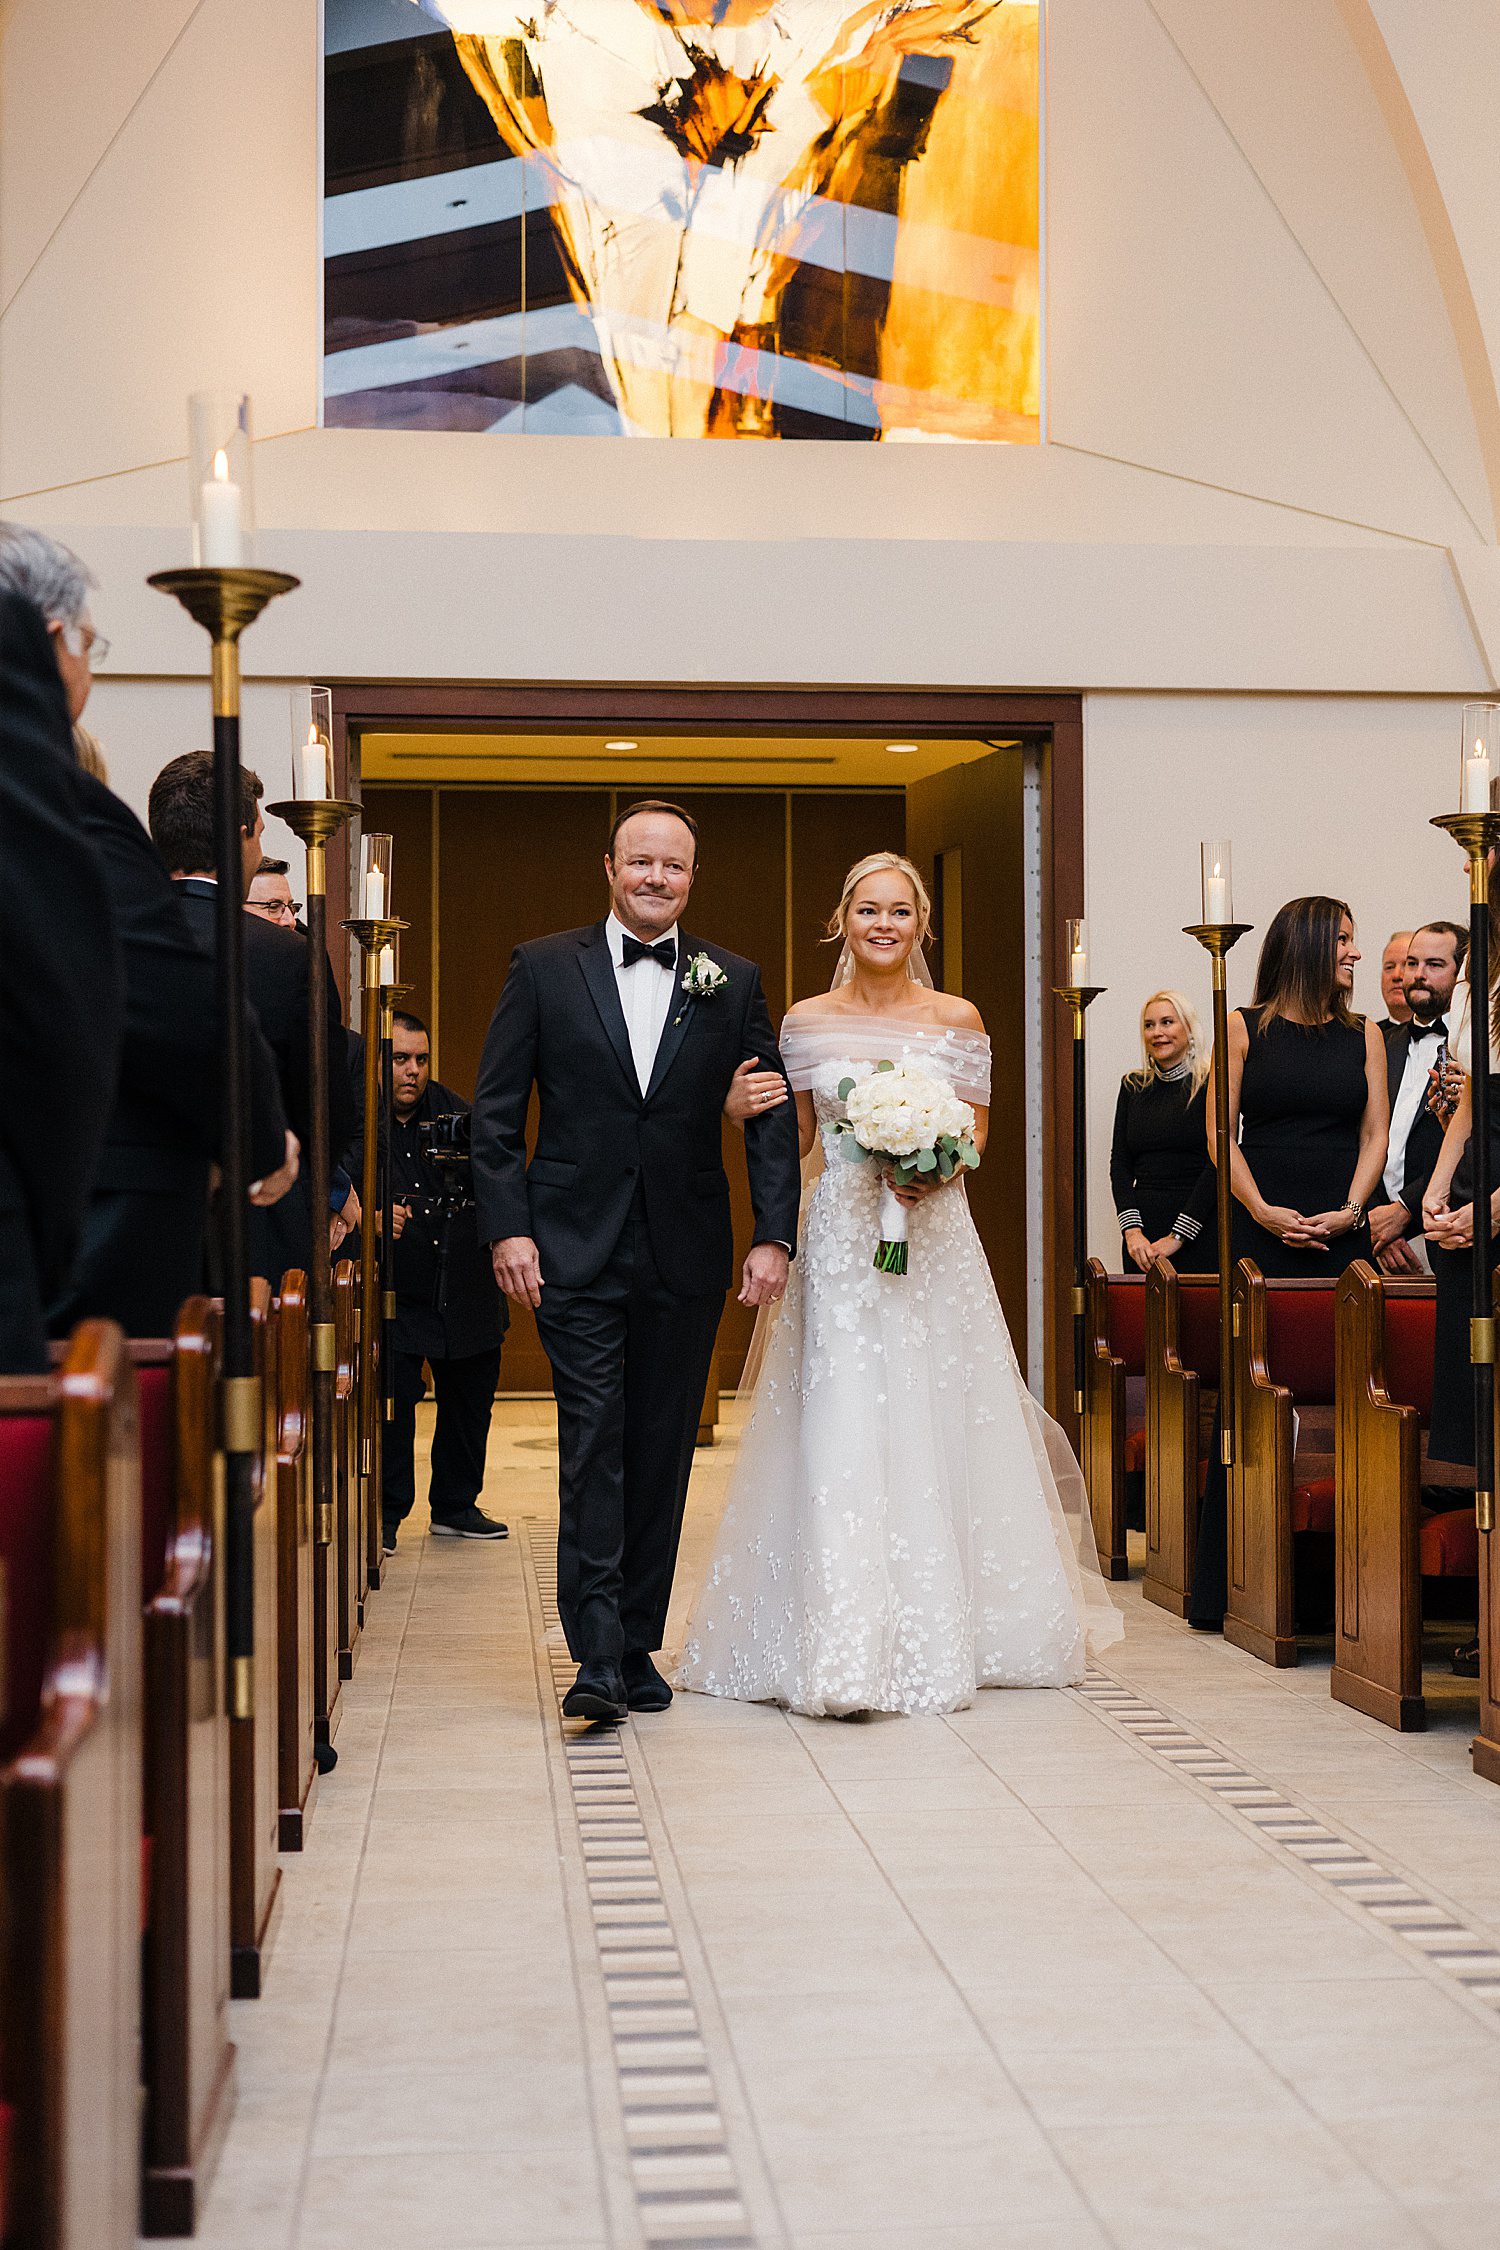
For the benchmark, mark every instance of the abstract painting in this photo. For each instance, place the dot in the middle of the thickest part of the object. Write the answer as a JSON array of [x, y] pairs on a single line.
[[683, 218]]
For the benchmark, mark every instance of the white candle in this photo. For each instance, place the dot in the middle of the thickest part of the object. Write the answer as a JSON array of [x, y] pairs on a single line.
[[374, 898], [312, 766], [1216, 899], [386, 973], [1078, 965], [1476, 780], [221, 528]]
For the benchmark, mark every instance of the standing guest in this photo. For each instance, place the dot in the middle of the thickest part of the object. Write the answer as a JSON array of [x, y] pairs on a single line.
[[1162, 1180], [61, 981], [1414, 1052], [181, 814], [1393, 983], [270, 894], [141, 1247], [449, 1310], [1308, 1099]]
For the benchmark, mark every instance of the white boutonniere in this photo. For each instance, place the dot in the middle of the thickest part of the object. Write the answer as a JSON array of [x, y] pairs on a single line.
[[703, 979]]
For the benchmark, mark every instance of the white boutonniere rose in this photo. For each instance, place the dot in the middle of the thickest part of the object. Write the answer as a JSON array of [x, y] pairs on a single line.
[[703, 978]]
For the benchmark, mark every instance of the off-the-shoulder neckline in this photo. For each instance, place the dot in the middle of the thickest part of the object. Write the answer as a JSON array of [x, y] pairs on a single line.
[[840, 1019]]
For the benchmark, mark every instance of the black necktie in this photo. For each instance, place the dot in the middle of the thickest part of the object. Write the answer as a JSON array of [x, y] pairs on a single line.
[[664, 952]]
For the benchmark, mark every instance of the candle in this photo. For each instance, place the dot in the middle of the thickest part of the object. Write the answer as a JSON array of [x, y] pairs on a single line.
[[221, 529], [1476, 793], [1216, 896], [1078, 962], [374, 898], [312, 766], [386, 973]]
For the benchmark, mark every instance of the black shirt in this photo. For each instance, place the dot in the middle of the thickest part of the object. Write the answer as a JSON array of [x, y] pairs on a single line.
[[473, 1315]]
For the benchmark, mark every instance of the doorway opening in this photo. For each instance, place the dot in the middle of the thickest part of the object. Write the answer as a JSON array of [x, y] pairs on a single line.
[[500, 814]]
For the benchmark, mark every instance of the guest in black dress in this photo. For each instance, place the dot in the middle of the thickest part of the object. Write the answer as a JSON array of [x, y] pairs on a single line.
[[1309, 1102], [1162, 1180]]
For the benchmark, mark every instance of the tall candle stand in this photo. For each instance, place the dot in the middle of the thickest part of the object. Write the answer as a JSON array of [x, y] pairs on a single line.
[[1478, 833], [224, 600], [1079, 997], [372, 933], [315, 821], [1218, 939], [390, 992]]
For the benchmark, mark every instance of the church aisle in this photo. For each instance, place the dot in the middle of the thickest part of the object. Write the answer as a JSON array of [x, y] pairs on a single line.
[[1191, 1956]]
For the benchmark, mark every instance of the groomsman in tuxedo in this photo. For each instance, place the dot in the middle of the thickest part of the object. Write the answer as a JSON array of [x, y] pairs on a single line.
[[1434, 961], [618, 1231]]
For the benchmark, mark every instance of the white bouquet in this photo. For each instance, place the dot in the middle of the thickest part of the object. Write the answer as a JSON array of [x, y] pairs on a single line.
[[913, 1125]]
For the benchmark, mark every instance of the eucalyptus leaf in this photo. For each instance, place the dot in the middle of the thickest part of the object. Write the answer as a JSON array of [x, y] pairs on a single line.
[[969, 1156], [885, 1066], [853, 1150], [926, 1160], [846, 1088], [946, 1165]]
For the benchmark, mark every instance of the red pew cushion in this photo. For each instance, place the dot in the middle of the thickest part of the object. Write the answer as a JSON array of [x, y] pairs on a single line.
[[1449, 1545], [1409, 1326], [1312, 1505], [1127, 1323], [1299, 1341], [157, 1511], [26, 1514]]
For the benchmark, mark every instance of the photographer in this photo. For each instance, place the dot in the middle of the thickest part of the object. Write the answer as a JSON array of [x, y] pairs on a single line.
[[449, 1311]]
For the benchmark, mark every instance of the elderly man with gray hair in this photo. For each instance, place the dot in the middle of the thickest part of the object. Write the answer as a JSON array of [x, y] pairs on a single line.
[[143, 1241]]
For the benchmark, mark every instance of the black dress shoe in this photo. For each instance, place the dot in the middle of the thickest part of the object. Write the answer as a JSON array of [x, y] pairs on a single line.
[[472, 1524], [645, 1689], [1466, 1660], [597, 1693]]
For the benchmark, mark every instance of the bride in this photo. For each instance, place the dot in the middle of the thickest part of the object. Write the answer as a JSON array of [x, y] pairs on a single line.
[[904, 1525]]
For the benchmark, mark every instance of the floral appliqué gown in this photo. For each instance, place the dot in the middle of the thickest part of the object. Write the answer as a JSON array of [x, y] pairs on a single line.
[[904, 1525]]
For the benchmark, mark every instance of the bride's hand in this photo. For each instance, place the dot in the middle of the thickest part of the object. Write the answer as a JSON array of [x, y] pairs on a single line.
[[919, 1190], [753, 1092]]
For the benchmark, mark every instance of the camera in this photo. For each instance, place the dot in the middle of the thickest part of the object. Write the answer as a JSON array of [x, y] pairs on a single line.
[[446, 1144]]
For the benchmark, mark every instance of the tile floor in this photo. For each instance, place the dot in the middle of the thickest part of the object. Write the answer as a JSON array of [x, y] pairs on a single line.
[[1062, 1971]]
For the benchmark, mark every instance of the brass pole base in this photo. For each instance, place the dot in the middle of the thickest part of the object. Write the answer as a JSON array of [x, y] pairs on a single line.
[[313, 820], [1217, 938], [224, 601], [372, 935]]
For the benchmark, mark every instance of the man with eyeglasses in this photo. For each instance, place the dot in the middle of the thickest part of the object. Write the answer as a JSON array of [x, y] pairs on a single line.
[[270, 895]]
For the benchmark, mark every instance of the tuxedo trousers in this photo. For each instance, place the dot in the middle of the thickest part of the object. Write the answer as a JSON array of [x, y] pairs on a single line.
[[630, 1360]]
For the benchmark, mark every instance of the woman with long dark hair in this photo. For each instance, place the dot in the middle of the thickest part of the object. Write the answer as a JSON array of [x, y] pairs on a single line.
[[1308, 1099]]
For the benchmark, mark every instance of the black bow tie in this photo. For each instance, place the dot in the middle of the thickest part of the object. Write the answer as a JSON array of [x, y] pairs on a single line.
[[1435, 1030], [664, 952]]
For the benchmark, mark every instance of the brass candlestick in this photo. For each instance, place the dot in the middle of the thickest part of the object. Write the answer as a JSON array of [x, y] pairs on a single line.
[[1080, 998], [224, 602], [1478, 834], [1218, 939], [371, 935]]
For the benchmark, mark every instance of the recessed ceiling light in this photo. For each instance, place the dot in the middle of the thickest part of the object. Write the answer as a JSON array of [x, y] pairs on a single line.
[[622, 746], [903, 749]]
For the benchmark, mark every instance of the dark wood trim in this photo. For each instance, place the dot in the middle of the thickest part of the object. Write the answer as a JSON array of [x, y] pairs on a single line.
[[568, 707]]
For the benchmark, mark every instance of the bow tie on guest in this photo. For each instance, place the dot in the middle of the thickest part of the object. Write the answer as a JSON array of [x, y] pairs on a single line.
[[1437, 1029], [663, 953]]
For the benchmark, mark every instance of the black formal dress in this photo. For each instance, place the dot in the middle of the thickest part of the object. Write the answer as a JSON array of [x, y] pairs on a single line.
[[143, 1242], [449, 1313], [1159, 1168], [627, 1200], [61, 992], [281, 1236]]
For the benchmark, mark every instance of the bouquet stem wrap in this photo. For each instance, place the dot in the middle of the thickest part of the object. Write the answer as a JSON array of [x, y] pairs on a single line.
[[890, 1251]]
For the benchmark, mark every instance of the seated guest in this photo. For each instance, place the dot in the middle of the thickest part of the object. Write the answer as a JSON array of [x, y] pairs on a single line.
[[270, 894], [1159, 1171], [1308, 1099], [142, 1245], [1414, 1052], [181, 814], [61, 982], [1393, 983]]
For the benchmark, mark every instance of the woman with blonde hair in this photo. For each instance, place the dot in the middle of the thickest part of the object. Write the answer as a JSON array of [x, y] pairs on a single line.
[[903, 1525], [1159, 1169]]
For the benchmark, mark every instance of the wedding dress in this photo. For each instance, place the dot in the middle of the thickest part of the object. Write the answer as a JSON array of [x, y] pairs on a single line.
[[904, 1525]]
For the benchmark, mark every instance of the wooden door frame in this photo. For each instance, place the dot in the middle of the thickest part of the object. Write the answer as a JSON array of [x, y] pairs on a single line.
[[958, 714]]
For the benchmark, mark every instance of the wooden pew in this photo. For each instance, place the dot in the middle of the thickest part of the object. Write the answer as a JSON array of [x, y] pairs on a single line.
[[349, 1529], [1284, 1361], [1387, 1543], [189, 2062], [1113, 1402], [296, 1768], [70, 1797], [254, 1794], [1182, 1375]]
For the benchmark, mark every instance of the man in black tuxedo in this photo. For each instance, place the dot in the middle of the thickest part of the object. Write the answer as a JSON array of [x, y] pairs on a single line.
[[62, 992], [1434, 962], [181, 814], [619, 1233]]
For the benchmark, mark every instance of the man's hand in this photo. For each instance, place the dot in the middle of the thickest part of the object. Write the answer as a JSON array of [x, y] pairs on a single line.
[[1399, 1258], [1388, 1222], [343, 1223], [518, 1269], [764, 1281], [275, 1184], [400, 1213]]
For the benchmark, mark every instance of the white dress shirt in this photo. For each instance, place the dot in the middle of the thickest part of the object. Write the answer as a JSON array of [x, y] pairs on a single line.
[[647, 991], [1421, 1056]]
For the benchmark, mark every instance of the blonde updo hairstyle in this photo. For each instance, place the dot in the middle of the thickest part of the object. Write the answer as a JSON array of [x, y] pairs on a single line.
[[880, 863]]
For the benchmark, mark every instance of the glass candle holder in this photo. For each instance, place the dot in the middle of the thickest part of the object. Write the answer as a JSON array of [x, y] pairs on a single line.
[[1479, 765], [374, 878], [1078, 952], [312, 751], [221, 481], [1218, 881]]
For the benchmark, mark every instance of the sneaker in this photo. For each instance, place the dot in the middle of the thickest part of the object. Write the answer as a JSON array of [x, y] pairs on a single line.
[[388, 1539], [472, 1524]]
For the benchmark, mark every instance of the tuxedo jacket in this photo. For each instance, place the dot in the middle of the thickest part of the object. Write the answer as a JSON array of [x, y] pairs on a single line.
[[1423, 1142], [61, 990], [559, 1026]]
